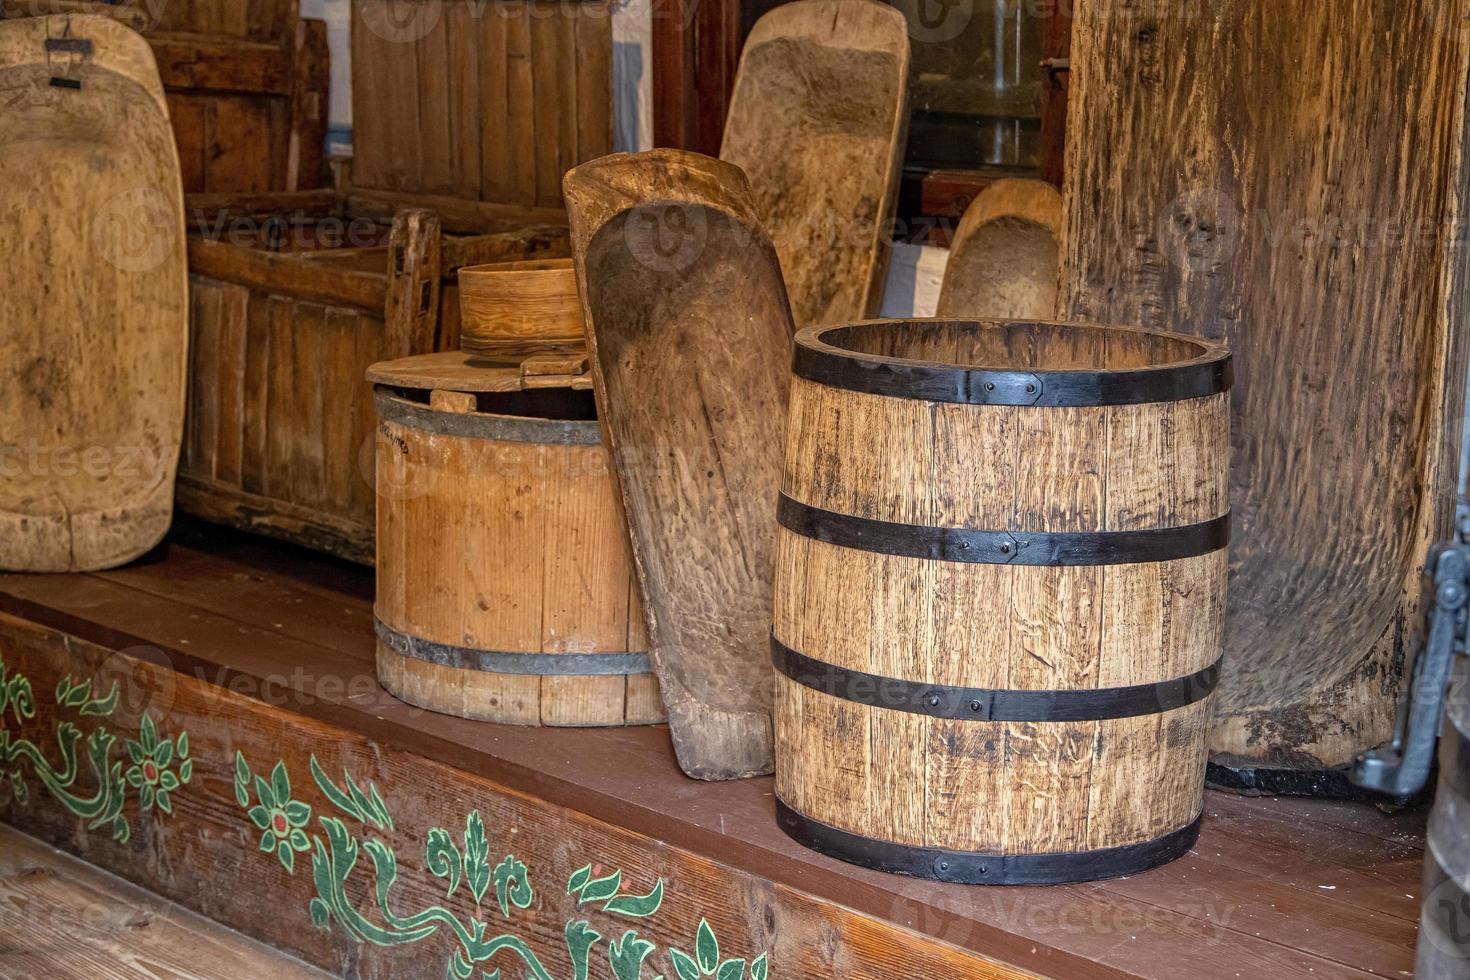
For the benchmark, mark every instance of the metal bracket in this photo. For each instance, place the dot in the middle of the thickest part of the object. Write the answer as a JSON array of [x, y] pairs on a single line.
[[1401, 768]]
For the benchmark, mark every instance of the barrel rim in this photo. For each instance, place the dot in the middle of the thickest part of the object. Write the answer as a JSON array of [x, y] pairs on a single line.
[[536, 664], [978, 868], [395, 408], [818, 358], [956, 703]]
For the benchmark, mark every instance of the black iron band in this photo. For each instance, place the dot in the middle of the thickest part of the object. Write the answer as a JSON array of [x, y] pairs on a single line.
[[1003, 547], [500, 662], [818, 361], [988, 704], [501, 428], [973, 868]]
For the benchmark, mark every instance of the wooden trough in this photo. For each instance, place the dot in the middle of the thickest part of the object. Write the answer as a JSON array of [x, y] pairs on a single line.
[[689, 335], [93, 315], [817, 121], [1221, 184]]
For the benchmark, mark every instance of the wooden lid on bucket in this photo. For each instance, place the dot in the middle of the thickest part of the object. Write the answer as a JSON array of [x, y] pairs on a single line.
[[458, 370]]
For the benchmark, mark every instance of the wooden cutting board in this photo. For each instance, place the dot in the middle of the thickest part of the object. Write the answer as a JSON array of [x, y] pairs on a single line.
[[94, 313], [1003, 260], [689, 334], [817, 120]]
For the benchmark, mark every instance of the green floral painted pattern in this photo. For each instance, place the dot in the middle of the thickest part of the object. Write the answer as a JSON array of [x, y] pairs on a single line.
[[160, 765], [495, 890], [152, 773], [279, 818]]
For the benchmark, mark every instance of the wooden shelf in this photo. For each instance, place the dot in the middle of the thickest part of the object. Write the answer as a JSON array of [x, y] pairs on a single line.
[[261, 649]]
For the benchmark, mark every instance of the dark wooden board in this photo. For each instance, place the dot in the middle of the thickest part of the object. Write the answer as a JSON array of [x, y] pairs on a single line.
[[271, 649], [689, 335], [1290, 178]]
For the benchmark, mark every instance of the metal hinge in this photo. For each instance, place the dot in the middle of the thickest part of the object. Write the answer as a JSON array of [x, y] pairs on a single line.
[[1401, 768]]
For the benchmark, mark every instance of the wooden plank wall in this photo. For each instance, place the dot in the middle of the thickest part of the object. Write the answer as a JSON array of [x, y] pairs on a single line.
[[1290, 178], [278, 405], [246, 84], [484, 101]]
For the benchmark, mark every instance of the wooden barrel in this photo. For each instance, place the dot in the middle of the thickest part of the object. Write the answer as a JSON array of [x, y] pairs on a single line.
[[515, 309], [505, 589], [1444, 925], [999, 589]]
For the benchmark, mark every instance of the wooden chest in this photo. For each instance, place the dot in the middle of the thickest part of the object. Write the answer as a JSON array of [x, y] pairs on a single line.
[[295, 295], [288, 308]]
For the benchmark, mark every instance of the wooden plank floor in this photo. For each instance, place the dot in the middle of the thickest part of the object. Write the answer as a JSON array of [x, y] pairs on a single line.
[[1278, 888], [61, 918]]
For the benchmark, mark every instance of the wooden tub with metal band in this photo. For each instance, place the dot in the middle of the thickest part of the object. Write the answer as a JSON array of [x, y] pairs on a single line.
[[505, 588], [999, 592]]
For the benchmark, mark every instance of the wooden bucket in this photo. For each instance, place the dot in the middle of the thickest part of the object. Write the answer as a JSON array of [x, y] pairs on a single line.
[[505, 587], [515, 309], [998, 596], [1444, 925]]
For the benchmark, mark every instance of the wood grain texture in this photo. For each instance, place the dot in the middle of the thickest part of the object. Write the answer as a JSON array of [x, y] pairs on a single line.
[[258, 623], [1291, 181], [817, 121], [1003, 261], [998, 787], [280, 430], [94, 340], [479, 101], [206, 853], [689, 334], [67, 920], [246, 85], [503, 545], [513, 309]]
